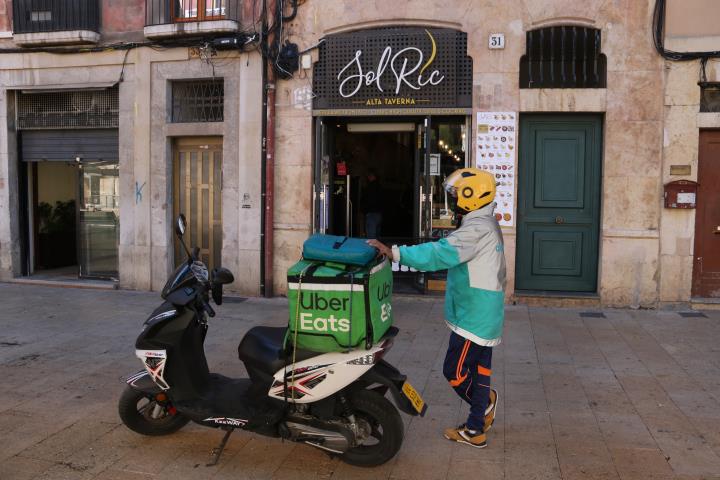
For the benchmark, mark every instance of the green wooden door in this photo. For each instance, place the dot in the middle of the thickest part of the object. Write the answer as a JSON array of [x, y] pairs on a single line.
[[558, 203]]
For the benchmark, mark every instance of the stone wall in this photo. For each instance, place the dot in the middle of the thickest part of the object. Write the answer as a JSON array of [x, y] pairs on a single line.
[[632, 106], [146, 251], [5, 15], [683, 122], [122, 20]]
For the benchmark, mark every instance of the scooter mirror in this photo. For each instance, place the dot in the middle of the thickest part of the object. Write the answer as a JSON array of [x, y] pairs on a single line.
[[180, 225], [221, 276]]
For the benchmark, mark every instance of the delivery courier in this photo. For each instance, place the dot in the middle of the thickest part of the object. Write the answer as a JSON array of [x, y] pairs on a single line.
[[474, 300]]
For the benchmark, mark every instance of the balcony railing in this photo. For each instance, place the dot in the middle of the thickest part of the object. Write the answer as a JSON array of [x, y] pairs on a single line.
[[161, 12], [33, 16]]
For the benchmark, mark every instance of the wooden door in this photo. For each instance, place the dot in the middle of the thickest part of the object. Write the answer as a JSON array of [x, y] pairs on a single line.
[[559, 173], [706, 262], [197, 193]]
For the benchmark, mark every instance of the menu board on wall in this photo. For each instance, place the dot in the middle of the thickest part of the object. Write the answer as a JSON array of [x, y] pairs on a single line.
[[496, 147]]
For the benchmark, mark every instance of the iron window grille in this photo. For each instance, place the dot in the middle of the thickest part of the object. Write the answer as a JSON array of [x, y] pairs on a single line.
[[563, 57], [32, 16], [197, 101], [73, 109], [159, 12]]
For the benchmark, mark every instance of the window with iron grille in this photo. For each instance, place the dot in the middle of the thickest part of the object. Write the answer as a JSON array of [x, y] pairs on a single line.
[[74, 109], [197, 101], [563, 57]]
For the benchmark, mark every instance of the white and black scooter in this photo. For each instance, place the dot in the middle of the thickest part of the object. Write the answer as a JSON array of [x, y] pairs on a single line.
[[334, 401]]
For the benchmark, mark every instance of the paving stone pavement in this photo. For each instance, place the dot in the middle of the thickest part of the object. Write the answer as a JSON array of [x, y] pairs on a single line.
[[635, 395]]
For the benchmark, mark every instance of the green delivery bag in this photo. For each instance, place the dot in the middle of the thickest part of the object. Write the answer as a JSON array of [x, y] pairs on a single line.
[[336, 307]]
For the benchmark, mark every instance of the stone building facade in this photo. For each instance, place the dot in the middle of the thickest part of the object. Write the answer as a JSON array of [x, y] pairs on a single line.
[[690, 28], [630, 109], [140, 57], [648, 112], [588, 228]]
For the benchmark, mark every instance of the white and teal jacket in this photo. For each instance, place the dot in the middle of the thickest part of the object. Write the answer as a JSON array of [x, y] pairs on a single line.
[[475, 259]]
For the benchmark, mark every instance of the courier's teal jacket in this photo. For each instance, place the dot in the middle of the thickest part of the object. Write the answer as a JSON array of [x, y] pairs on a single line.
[[475, 259]]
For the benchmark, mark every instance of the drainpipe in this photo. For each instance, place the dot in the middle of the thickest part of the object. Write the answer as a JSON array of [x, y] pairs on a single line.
[[268, 170], [269, 181]]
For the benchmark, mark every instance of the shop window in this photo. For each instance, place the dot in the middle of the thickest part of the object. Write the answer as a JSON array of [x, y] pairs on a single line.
[[197, 101], [563, 57]]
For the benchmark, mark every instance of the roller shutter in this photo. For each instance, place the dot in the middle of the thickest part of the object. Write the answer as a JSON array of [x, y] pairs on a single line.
[[67, 145]]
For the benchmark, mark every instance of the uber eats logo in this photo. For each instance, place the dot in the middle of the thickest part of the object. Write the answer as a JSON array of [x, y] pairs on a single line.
[[315, 301], [322, 311]]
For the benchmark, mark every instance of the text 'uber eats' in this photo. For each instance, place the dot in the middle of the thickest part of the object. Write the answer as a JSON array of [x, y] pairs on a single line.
[[315, 301]]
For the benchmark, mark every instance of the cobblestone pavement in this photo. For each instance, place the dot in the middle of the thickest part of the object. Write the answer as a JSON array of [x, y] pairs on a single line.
[[635, 395]]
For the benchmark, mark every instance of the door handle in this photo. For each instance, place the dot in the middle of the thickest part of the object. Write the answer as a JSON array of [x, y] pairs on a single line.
[[717, 230], [559, 220]]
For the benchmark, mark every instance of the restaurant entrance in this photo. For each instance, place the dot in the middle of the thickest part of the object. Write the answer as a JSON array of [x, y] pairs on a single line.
[[386, 176]]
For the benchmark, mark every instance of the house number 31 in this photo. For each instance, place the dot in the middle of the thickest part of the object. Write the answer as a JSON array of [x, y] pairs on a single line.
[[496, 41]]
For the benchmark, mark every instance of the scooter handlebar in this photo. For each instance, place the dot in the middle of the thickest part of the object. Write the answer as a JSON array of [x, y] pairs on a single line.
[[208, 308]]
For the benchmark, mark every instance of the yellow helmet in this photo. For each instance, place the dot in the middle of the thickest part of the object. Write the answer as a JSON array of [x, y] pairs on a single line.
[[473, 188]]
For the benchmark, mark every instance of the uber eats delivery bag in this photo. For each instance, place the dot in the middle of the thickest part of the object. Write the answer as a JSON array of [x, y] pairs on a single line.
[[335, 307]]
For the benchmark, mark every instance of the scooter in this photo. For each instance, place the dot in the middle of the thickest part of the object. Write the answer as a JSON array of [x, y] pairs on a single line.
[[335, 402]]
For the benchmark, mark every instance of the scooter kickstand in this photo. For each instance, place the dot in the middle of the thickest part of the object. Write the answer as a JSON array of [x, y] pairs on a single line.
[[217, 451]]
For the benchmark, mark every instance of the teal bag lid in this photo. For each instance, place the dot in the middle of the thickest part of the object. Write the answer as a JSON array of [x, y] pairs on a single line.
[[333, 248]]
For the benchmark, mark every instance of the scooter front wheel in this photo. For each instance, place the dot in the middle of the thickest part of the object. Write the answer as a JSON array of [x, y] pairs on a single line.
[[387, 430], [143, 414]]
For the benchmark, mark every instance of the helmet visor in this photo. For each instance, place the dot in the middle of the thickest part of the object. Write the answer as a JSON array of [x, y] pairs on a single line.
[[450, 183]]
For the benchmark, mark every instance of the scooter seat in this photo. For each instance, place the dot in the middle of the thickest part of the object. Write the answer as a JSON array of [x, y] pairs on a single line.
[[262, 348]]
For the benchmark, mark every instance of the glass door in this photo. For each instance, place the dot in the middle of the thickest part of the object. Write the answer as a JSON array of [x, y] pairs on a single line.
[[446, 151], [322, 186], [424, 184], [98, 219]]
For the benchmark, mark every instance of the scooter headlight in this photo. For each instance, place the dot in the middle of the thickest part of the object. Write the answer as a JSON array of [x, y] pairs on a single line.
[[200, 271]]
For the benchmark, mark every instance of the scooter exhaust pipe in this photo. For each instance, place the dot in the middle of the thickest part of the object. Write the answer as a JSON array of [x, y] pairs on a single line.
[[327, 440]]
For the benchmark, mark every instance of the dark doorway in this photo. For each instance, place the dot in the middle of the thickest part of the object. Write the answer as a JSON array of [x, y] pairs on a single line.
[[389, 157], [55, 186], [706, 264], [559, 175], [410, 156]]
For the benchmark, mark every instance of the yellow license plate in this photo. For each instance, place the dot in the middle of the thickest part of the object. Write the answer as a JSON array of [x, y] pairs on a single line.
[[415, 399]]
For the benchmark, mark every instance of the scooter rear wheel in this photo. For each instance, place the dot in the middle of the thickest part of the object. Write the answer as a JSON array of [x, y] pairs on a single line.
[[142, 414], [387, 428]]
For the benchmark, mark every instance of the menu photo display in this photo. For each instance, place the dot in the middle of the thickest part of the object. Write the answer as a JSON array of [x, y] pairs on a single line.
[[496, 147]]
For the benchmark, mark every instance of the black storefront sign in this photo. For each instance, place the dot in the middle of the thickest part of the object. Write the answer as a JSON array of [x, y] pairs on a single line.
[[398, 70]]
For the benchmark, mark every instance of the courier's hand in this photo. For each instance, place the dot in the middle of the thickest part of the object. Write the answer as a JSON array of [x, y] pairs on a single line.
[[381, 248]]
